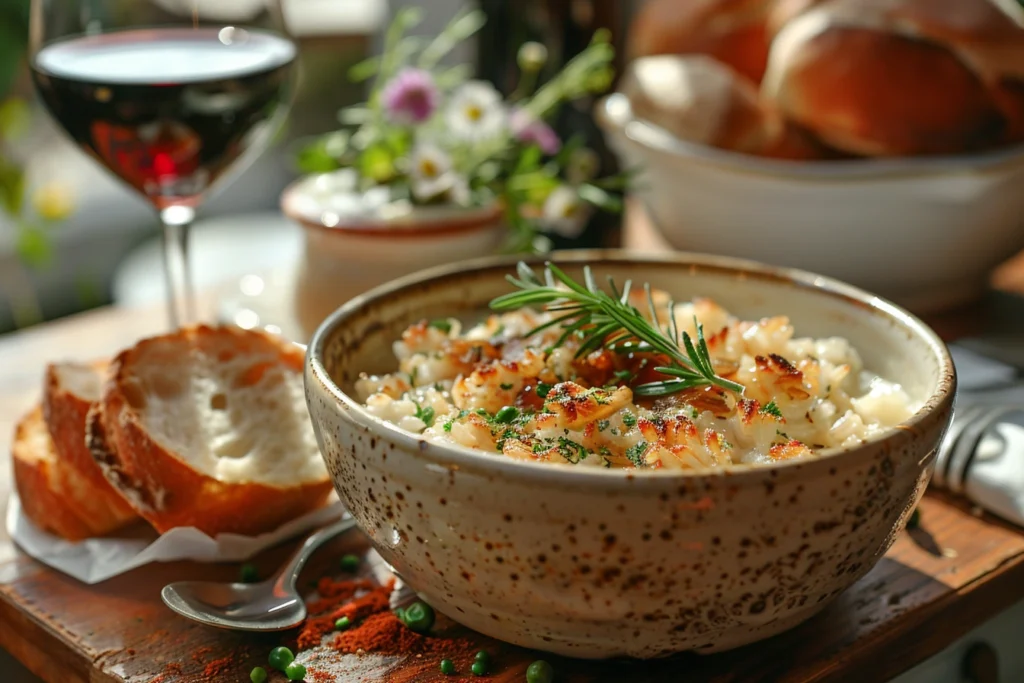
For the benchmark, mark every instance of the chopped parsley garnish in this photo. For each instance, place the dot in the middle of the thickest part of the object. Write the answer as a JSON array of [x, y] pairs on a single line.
[[572, 451], [448, 425], [506, 387], [603, 425], [636, 453], [543, 390], [772, 408], [426, 415], [441, 324], [412, 376], [629, 419]]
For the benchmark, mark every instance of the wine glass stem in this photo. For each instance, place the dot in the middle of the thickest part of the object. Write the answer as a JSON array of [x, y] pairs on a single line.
[[181, 304]]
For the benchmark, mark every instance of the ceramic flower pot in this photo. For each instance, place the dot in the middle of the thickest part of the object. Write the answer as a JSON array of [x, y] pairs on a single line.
[[356, 241]]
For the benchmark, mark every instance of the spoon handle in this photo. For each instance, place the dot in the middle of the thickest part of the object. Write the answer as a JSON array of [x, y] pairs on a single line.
[[290, 574]]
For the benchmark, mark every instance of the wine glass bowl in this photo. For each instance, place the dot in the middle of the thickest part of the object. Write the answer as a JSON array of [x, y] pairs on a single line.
[[171, 96]]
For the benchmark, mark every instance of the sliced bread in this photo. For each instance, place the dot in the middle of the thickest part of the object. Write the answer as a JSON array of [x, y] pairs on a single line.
[[51, 495], [208, 427], [70, 391]]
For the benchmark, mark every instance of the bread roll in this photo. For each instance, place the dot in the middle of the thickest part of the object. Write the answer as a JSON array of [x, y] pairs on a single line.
[[208, 427], [731, 31], [901, 77], [699, 99]]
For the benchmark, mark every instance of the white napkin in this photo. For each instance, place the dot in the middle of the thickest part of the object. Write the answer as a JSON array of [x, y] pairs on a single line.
[[982, 456], [98, 559]]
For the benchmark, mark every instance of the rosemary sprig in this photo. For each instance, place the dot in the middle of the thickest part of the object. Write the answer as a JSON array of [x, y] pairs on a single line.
[[606, 321]]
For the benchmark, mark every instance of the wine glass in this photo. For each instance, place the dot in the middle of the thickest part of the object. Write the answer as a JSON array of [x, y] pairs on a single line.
[[169, 95]]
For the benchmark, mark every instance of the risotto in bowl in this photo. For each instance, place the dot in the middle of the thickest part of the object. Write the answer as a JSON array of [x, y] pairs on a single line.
[[628, 456]]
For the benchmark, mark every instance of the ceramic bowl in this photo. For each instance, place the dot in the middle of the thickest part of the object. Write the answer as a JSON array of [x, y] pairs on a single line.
[[602, 563], [355, 241], [925, 232]]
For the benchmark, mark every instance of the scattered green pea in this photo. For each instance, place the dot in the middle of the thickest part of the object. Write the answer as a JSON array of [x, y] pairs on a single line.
[[342, 623], [915, 519], [484, 657], [248, 573], [418, 616], [280, 658], [543, 389], [400, 613], [295, 672], [350, 563], [447, 667], [258, 675], [540, 672], [479, 668], [506, 415]]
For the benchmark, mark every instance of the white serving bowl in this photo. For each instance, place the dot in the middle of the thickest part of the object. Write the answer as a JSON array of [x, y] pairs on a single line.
[[603, 563], [925, 232]]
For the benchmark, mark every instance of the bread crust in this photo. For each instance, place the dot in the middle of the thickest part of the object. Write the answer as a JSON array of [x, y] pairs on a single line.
[[65, 410], [731, 31], [160, 485], [48, 497]]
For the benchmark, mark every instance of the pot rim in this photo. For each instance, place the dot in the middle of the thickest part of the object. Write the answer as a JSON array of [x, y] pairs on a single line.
[[615, 116], [432, 220]]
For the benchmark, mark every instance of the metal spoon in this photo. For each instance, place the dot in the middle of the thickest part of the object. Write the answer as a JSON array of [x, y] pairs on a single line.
[[271, 605]]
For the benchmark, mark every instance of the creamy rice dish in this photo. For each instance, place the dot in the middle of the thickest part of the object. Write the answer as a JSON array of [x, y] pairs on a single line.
[[497, 388]]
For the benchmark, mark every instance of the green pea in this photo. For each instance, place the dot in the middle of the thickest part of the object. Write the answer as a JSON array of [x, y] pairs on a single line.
[[506, 415], [543, 389], [295, 672], [484, 657], [248, 573], [280, 658], [419, 617], [258, 675], [447, 667], [479, 668], [350, 563], [540, 672], [343, 623]]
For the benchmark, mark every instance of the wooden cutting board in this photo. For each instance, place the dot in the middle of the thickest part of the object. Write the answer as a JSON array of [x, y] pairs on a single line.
[[939, 581]]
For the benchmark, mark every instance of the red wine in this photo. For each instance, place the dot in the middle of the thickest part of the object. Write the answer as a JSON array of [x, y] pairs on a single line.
[[167, 110]]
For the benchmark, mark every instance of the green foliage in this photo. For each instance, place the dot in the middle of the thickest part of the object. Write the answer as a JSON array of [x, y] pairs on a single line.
[[504, 165]]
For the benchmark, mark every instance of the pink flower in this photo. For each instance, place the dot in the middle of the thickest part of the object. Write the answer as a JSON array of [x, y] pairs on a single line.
[[531, 130], [410, 97]]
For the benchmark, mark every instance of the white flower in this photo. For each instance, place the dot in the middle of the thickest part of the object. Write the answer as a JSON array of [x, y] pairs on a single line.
[[476, 112], [430, 172], [564, 212]]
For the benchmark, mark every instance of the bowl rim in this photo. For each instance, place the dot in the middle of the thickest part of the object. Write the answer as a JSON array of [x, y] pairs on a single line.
[[431, 220], [614, 115], [465, 458]]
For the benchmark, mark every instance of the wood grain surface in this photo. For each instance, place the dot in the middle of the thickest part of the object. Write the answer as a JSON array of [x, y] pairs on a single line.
[[939, 581]]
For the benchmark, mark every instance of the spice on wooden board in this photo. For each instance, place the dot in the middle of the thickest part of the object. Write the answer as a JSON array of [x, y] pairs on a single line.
[[374, 627]]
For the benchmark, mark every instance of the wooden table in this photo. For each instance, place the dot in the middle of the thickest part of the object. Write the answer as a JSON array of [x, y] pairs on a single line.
[[936, 583]]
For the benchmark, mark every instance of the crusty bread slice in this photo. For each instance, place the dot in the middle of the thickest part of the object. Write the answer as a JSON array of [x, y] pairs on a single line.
[[70, 390], [51, 496], [208, 427]]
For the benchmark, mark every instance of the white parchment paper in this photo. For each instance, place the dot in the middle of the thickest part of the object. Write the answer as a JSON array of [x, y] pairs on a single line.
[[98, 559]]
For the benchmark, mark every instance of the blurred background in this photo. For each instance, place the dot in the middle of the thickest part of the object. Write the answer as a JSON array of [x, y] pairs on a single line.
[[103, 244], [880, 143]]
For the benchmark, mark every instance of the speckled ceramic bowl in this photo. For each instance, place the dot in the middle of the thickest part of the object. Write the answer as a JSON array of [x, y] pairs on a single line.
[[604, 563]]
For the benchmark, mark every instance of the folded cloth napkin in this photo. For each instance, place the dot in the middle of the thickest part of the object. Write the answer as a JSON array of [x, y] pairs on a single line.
[[982, 455]]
